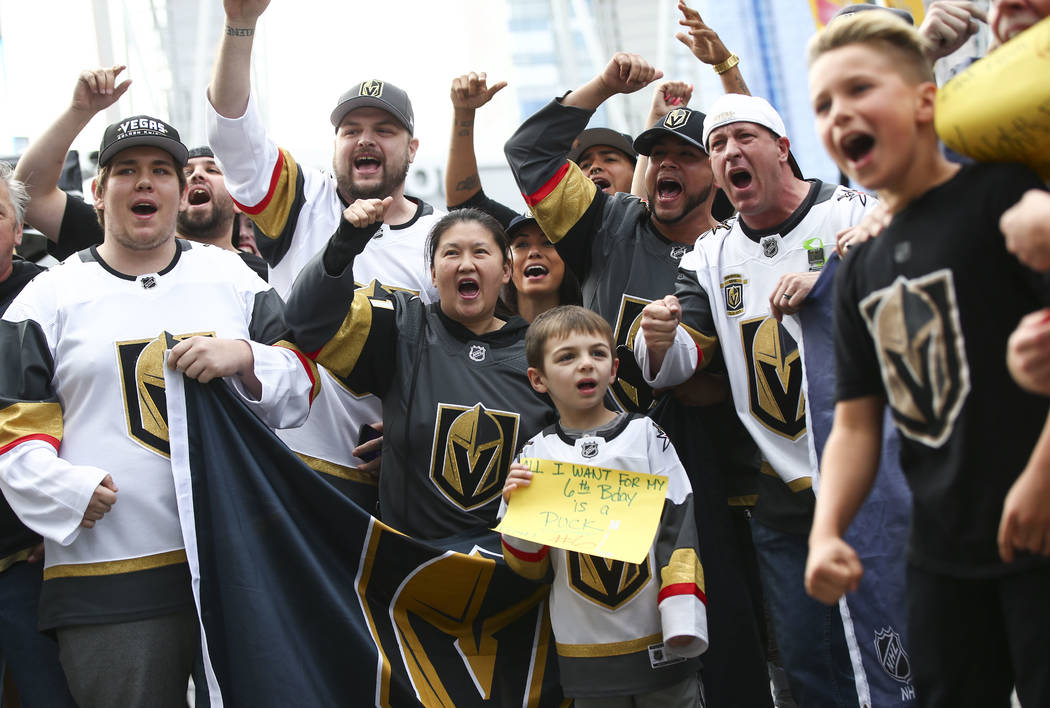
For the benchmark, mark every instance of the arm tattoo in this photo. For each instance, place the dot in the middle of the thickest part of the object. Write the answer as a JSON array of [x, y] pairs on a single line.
[[239, 31], [469, 183], [464, 127]]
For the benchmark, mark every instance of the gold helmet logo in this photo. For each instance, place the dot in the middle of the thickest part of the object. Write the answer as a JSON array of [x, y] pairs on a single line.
[[915, 325], [775, 393], [472, 449], [606, 582], [677, 118], [149, 383], [373, 88]]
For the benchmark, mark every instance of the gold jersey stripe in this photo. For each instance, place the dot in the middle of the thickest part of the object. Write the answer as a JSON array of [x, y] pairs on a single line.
[[128, 565], [16, 557], [341, 352], [336, 470], [795, 485], [309, 364], [744, 500], [611, 649], [566, 204], [683, 567], [28, 418], [707, 344], [273, 217]]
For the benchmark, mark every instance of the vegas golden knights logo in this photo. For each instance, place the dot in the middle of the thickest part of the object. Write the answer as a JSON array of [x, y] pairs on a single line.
[[629, 390], [606, 582], [455, 629], [733, 290], [372, 88], [922, 354], [774, 377], [677, 118], [142, 383], [473, 449]]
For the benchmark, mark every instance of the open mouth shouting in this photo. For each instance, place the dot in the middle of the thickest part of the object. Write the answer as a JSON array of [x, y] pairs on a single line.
[[857, 147], [740, 177], [587, 386], [198, 196], [468, 289], [668, 189], [143, 208], [535, 272], [367, 164], [601, 182]]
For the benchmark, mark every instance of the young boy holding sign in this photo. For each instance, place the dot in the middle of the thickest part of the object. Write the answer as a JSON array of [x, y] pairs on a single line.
[[624, 631]]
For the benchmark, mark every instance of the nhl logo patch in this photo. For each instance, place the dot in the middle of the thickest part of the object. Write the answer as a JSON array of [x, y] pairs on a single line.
[[677, 252], [589, 449], [148, 281], [770, 247], [372, 88], [677, 118], [891, 654], [477, 352], [733, 292]]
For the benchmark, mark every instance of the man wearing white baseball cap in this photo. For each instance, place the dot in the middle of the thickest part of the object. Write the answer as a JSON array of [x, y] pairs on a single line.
[[746, 286]]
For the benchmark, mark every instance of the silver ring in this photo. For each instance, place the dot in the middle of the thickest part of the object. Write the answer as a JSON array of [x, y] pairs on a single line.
[[787, 296]]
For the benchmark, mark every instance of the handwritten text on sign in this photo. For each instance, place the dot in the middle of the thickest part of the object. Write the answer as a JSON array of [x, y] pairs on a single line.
[[603, 512]]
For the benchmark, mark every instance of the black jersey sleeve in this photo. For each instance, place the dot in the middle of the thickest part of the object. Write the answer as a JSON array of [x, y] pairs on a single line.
[[352, 332], [79, 230], [483, 202], [857, 371]]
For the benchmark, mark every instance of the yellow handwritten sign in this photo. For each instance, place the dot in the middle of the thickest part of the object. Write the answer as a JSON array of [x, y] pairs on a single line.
[[602, 512], [998, 110]]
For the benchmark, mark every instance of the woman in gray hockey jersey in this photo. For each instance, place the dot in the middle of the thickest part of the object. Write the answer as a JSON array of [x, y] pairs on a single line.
[[451, 375]]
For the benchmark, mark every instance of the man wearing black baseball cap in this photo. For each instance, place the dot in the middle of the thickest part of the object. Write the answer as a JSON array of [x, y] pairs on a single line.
[[85, 417], [606, 157]]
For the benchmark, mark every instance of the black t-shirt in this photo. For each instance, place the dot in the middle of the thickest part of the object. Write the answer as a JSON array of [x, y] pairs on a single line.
[[80, 229], [14, 536], [922, 317]]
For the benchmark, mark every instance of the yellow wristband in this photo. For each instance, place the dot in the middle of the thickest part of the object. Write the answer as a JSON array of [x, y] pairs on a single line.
[[728, 64]]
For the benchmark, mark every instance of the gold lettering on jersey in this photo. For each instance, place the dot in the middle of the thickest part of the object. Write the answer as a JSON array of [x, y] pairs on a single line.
[[472, 453], [733, 291], [141, 364], [373, 88], [606, 582], [677, 118], [629, 391], [919, 340], [448, 626], [774, 377]]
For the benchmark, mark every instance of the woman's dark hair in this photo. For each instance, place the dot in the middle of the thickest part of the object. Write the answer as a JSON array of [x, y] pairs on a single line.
[[461, 216]]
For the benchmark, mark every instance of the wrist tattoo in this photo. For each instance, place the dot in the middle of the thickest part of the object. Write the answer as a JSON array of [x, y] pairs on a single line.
[[468, 183], [240, 31]]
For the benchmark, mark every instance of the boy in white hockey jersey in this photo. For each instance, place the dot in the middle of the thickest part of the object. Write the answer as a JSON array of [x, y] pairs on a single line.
[[624, 632]]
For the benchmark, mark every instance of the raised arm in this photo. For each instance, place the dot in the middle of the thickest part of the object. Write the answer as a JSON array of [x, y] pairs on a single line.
[[41, 166], [625, 73], [468, 93], [231, 75], [707, 46]]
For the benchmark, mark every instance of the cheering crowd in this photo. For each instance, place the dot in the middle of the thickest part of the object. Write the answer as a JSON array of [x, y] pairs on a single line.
[[783, 351]]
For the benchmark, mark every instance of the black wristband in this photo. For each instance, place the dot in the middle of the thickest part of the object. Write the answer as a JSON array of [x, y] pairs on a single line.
[[347, 241]]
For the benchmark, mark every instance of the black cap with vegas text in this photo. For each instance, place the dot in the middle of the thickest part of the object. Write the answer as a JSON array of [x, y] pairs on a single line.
[[376, 94], [141, 130], [683, 123]]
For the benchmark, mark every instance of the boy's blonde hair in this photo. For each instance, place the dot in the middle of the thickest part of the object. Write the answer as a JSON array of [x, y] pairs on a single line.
[[561, 322], [883, 32]]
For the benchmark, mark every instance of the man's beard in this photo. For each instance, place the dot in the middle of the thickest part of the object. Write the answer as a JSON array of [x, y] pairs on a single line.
[[205, 225], [690, 205], [394, 175]]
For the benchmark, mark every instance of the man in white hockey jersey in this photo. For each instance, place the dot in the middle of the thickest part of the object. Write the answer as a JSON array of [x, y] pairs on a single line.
[[297, 209], [84, 453], [743, 282]]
